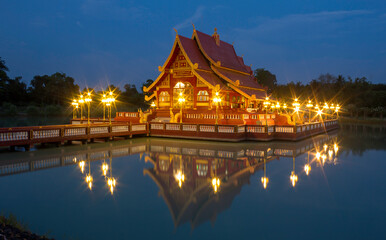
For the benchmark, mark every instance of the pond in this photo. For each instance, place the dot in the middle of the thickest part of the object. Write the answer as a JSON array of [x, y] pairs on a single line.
[[329, 186]]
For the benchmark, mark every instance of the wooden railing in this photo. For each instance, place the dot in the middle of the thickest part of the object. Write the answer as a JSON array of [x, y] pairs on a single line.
[[239, 132], [23, 136]]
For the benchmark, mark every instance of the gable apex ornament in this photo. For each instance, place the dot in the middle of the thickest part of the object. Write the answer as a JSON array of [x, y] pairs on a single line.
[[216, 37]]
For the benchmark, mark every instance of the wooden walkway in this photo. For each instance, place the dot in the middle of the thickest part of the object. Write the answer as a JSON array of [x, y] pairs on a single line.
[[27, 137]]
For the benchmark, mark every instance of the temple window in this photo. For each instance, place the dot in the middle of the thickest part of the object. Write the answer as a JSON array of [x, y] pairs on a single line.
[[164, 96], [186, 90], [203, 96]]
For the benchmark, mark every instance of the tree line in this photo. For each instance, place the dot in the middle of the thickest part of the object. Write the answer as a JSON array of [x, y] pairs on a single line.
[[56, 93], [357, 96]]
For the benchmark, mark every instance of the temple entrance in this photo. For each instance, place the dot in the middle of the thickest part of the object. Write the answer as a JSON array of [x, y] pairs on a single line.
[[187, 91]]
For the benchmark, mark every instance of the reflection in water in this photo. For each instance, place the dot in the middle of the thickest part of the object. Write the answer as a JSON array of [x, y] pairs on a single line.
[[196, 179]]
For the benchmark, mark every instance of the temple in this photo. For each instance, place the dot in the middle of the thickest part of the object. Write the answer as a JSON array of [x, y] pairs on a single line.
[[204, 72]]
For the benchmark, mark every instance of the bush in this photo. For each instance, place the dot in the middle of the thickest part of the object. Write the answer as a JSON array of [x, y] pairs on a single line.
[[33, 111], [9, 109], [53, 110]]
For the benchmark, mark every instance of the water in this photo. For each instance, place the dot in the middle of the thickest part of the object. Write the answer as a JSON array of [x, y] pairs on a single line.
[[343, 197]]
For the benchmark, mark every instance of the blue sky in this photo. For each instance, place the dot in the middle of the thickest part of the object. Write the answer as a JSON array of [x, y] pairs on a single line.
[[109, 41]]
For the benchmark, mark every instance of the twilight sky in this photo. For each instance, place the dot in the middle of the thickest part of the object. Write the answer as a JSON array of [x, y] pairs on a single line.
[[110, 41]]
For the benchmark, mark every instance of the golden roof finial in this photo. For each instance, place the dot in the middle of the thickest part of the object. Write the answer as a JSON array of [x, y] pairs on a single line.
[[194, 28], [175, 30], [215, 30]]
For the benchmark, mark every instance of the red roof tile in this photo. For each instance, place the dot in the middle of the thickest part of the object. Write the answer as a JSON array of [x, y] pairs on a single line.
[[224, 52], [211, 78], [193, 53], [245, 80]]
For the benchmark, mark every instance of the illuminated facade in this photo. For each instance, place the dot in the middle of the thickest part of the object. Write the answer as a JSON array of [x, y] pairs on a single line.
[[200, 68]]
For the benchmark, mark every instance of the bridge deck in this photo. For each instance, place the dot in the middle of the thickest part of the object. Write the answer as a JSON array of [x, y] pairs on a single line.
[[29, 136]]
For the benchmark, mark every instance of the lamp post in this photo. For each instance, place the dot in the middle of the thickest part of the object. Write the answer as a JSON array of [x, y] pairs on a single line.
[[296, 105], [81, 102], [309, 106], [266, 104], [104, 100], [285, 107], [337, 111], [325, 107], [181, 101], [278, 107], [88, 101], [75, 107], [217, 101], [109, 101]]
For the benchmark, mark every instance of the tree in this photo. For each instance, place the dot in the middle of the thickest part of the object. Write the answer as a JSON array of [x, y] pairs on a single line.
[[55, 89], [266, 79]]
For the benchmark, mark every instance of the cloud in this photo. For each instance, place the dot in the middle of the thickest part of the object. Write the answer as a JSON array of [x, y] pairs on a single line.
[[112, 9], [301, 20], [187, 22]]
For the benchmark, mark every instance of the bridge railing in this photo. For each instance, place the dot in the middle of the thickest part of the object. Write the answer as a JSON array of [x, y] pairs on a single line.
[[57, 133]]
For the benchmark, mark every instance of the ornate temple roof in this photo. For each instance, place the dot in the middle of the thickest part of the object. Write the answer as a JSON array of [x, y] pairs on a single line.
[[216, 63]]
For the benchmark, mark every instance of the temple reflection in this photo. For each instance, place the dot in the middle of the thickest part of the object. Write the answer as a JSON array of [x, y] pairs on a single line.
[[196, 179]]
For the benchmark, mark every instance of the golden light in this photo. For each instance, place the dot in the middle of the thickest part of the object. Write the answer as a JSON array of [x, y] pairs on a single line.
[[266, 102], [105, 168], [294, 178], [180, 178], [309, 104], [325, 105], [332, 106], [296, 105], [325, 147], [285, 106], [89, 180], [111, 182], [153, 104], [264, 181], [330, 152], [273, 106], [324, 158], [277, 105], [318, 155], [217, 99], [81, 166], [319, 112], [216, 184], [336, 148], [181, 99], [307, 168]]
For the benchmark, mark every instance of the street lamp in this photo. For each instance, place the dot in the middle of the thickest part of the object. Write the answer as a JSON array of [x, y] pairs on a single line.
[[296, 105], [266, 104], [104, 101], [109, 101], [181, 101], [337, 110], [75, 107], [88, 101], [81, 102], [309, 106], [217, 101]]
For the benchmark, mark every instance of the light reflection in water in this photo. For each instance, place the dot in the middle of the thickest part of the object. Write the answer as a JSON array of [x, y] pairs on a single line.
[[200, 179]]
